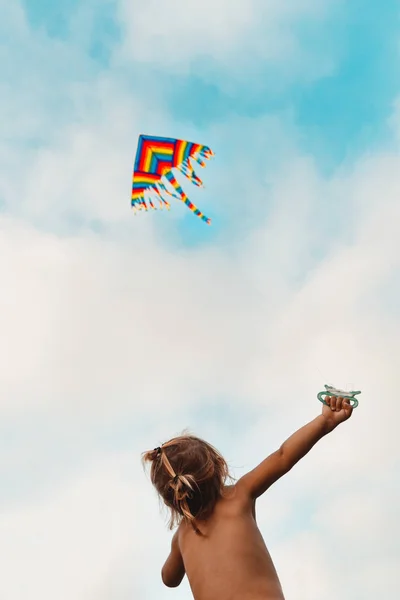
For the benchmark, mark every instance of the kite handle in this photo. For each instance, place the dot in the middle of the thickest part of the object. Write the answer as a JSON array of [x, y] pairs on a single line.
[[338, 393]]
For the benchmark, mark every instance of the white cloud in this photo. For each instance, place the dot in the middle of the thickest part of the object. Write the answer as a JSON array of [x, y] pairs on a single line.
[[234, 33], [104, 329], [75, 543]]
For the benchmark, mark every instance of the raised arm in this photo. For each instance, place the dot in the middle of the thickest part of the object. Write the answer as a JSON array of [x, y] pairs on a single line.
[[257, 481], [173, 570]]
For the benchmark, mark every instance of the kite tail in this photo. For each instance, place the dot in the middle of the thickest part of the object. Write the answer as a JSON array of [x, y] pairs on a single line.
[[204, 153], [139, 203], [163, 191], [187, 169], [182, 196]]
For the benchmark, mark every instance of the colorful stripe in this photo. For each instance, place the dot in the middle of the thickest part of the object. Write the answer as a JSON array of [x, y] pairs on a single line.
[[155, 160]]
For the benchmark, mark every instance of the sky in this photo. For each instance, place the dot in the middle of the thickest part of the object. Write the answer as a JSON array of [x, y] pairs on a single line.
[[119, 332]]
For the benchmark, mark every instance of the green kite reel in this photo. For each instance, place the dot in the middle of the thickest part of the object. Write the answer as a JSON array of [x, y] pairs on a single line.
[[331, 391]]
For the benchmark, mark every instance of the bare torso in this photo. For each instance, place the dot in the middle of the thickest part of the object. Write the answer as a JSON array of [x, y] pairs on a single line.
[[230, 560]]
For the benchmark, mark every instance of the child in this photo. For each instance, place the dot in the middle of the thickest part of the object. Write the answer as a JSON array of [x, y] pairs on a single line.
[[218, 544]]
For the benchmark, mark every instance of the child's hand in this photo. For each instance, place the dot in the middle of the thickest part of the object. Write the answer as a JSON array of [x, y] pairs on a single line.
[[337, 411]]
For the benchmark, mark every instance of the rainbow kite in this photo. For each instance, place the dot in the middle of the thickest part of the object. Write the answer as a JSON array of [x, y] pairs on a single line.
[[156, 158]]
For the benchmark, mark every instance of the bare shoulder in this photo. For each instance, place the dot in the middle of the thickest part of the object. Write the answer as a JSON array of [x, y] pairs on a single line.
[[235, 499]]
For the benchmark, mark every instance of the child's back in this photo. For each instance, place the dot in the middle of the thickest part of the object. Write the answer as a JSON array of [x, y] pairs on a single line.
[[229, 560], [218, 544]]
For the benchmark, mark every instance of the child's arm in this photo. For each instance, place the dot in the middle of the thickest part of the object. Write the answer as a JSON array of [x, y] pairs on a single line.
[[257, 481], [173, 570]]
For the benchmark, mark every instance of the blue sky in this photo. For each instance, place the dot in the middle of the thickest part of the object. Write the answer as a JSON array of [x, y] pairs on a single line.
[[334, 117], [339, 114], [118, 332]]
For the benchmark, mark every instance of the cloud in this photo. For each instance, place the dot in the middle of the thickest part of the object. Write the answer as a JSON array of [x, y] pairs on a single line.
[[232, 35], [76, 541], [99, 328]]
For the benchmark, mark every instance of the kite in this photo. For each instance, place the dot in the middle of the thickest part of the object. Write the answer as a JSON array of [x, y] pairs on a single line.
[[156, 158]]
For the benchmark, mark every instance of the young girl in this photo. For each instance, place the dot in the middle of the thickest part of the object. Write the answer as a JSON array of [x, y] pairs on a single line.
[[218, 544]]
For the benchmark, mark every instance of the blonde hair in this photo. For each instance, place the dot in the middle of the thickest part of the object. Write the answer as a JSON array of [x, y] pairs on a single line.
[[189, 475]]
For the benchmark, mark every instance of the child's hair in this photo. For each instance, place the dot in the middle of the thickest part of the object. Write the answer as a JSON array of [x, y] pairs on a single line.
[[189, 474]]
